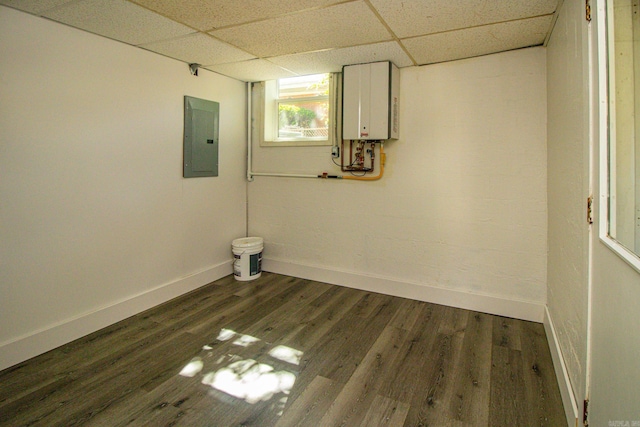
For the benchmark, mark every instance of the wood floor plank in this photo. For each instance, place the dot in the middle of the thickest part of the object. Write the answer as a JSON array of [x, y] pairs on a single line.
[[541, 387], [313, 307], [26, 377], [470, 393], [142, 407], [26, 410], [404, 379], [293, 352], [269, 322], [77, 402], [360, 391], [429, 405], [331, 352], [368, 304], [176, 311], [319, 324], [385, 412], [92, 369], [349, 355], [339, 352], [454, 321], [146, 372], [506, 332], [508, 405], [255, 288], [407, 314], [312, 404], [263, 296], [266, 327]]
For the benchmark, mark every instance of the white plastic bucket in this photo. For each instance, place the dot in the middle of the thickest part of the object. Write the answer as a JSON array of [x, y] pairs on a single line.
[[247, 254]]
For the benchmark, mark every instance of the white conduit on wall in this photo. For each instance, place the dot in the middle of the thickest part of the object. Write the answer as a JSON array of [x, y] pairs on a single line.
[[249, 136], [284, 175]]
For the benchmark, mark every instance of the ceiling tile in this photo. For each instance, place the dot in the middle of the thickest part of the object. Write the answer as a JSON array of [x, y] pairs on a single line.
[[198, 48], [332, 27], [251, 71], [119, 20], [326, 61], [306, 36], [209, 14], [409, 18], [34, 6], [478, 41]]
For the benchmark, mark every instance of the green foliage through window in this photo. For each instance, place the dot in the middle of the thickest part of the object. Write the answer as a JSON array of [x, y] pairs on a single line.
[[292, 115], [303, 107]]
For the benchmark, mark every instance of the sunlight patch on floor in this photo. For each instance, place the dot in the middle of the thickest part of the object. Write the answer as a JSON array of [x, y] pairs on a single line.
[[250, 381], [286, 354], [244, 377], [192, 368]]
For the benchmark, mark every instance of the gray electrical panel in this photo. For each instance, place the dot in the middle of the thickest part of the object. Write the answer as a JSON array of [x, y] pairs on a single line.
[[201, 123]]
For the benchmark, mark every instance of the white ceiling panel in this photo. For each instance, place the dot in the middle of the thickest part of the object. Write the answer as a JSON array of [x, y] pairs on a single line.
[[254, 70], [409, 18], [330, 27], [332, 60], [265, 39], [34, 6], [119, 20], [478, 41], [199, 48], [206, 15]]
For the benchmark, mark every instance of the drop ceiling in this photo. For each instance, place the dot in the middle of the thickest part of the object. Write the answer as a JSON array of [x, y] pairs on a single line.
[[253, 40]]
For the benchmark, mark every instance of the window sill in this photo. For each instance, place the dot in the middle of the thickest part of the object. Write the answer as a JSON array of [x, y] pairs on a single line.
[[296, 143], [632, 259]]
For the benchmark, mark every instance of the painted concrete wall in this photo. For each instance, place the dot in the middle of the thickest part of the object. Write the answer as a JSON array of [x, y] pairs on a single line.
[[95, 214], [615, 332], [615, 371], [567, 146], [462, 205]]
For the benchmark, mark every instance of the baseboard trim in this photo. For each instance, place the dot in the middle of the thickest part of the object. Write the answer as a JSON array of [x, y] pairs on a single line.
[[38, 342], [525, 310], [566, 390]]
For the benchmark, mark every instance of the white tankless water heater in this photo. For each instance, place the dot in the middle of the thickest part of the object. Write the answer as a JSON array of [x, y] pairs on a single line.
[[370, 101]]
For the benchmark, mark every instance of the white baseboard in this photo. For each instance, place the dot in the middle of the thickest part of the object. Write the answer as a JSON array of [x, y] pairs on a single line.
[[566, 390], [41, 341], [525, 310]]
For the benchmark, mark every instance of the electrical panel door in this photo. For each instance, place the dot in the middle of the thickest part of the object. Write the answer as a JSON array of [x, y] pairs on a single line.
[[201, 123]]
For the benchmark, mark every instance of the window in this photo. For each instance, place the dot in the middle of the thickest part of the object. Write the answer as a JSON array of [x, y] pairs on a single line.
[[299, 111], [620, 149]]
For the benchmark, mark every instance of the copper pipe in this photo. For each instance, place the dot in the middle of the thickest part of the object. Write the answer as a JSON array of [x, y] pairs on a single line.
[[383, 159]]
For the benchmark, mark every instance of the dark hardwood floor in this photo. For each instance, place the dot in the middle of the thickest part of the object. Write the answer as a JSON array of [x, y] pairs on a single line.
[[282, 351]]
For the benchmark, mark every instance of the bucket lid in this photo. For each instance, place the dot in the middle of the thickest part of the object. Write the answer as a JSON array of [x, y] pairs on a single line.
[[247, 242]]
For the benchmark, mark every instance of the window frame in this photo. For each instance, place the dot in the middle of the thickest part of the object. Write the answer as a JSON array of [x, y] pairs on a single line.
[[607, 133], [269, 116]]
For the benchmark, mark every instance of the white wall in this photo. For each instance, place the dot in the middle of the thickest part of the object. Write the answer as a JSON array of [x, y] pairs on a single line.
[[615, 332], [461, 210], [96, 221], [610, 381], [615, 370], [568, 189]]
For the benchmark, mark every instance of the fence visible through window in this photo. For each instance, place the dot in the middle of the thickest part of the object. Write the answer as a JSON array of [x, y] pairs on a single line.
[[303, 107]]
